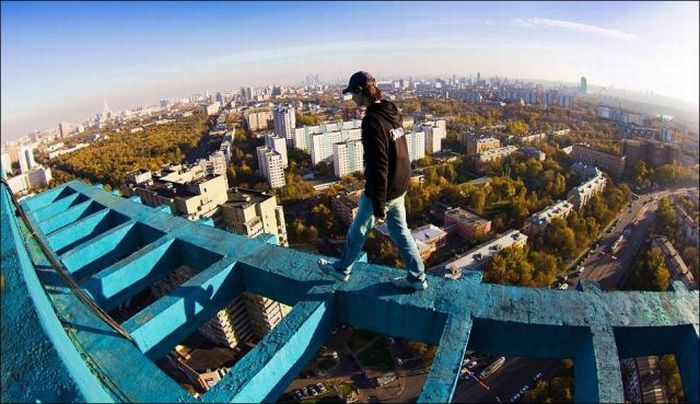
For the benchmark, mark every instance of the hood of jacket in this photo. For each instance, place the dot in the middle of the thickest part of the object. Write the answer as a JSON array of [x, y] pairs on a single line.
[[387, 110]]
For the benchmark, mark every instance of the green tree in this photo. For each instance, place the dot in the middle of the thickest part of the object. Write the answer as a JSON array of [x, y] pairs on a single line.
[[560, 237], [510, 266], [649, 273]]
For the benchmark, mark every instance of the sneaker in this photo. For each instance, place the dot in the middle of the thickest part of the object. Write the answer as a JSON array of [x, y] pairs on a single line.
[[328, 269], [405, 283]]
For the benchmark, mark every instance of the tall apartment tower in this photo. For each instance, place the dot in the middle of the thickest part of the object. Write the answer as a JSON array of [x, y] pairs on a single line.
[[347, 157], [434, 132], [271, 166], [285, 120], [415, 140], [26, 159], [279, 145], [584, 85]]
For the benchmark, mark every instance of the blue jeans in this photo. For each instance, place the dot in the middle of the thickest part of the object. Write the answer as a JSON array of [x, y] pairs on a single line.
[[398, 230]]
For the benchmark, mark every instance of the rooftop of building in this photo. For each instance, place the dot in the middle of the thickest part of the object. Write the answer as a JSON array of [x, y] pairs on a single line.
[[464, 216], [243, 198]]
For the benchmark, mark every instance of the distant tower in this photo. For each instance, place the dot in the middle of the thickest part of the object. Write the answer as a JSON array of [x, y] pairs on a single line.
[[478, 77], [105, 111], [584, 85]]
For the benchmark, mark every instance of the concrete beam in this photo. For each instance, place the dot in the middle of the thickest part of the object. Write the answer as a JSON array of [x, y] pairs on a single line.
[[168, 321], [264, 373], [69, 216], [126, 278], [597, 374], [445, 370], [58, 206]]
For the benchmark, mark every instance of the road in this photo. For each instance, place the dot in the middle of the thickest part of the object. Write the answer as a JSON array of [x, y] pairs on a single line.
[[600, 266], [505, 382]]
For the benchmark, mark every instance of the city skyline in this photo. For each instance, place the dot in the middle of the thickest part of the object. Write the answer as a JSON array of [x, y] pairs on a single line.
[[60, 61]]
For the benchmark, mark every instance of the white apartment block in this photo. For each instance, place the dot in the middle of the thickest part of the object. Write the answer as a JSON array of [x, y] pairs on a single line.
[[5, 166], [542, 218], [322, 143], [583, 193], [278, 144], [26, 159], [271, 166], [435, 131], [285, 120], [479, 256], [415, 141], [495, 154], [347, 157], [302, 136]]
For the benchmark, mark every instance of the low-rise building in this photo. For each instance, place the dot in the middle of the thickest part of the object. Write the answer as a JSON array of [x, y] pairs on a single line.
[[687, 225], [428, 238], [481, 144], [533, 152], [674, 262], [581, 194], [466, 224], [495, 154], [538, 221], [344, 205], [610, 163], [479, 256]]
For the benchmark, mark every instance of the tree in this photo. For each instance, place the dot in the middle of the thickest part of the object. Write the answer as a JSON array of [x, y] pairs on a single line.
[[665, 212], [510, 266], [560, 237], [649, 273], [323, 218]]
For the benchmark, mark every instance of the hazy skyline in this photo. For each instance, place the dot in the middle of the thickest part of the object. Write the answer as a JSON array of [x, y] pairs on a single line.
[[60, 60]]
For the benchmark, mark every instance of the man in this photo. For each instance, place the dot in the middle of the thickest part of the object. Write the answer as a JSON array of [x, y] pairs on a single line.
[[387, 175]]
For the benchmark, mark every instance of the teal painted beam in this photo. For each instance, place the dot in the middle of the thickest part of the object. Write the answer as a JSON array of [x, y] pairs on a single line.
[[39, 361], [36, 202], [597, 374], [69, 216], [83, 230], [167, 322], [263, 374], [445, 370], [686, 353], [109, 248], [117, 283], [118, 365], [58, 206]]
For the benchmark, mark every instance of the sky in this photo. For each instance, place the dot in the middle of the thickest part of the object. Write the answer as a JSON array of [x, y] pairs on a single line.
[[61, 60]]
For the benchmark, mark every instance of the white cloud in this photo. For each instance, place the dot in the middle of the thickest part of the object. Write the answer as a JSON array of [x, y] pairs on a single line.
[[574, 26]]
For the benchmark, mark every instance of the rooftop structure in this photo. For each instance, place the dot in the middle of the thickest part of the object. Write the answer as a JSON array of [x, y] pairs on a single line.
[[466, 224], [541, 219], [56, 349], [581, 194], [476, 258], [495, 154]]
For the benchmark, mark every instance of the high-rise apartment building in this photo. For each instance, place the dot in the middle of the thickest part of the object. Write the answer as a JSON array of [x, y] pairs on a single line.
[[278, 144], [5, 166], [415, 141], [257, 120], [251, 213], [583, 88], [271, 166], [26, 159], [435, 131], [347, 157], [284, 117]]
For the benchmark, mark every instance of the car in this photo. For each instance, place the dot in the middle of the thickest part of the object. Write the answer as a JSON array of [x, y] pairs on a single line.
[[471, 365], [313, 390], [563, 286], [321, 387], [305, 392], [580, 269]]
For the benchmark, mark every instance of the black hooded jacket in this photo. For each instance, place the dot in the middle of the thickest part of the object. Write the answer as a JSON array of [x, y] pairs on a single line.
[[387, 165]]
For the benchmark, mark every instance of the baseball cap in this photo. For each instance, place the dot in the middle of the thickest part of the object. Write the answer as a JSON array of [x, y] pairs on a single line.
[[359, 80]]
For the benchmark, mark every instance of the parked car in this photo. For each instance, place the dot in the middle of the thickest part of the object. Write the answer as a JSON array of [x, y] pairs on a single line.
[[563, 286], [321, 387]]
